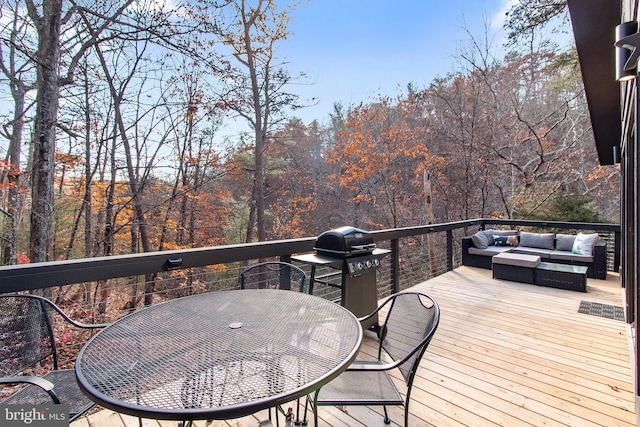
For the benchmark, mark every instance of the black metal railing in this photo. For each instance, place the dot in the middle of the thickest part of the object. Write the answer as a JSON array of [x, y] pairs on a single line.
[[104, 289], [428, 250]]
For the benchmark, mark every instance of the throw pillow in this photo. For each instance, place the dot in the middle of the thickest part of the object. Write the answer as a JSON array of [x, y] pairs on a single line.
[[583, 245], [500, 240], [493, 233], [480, 240], [564, 242], [489, 234], [512, 240]]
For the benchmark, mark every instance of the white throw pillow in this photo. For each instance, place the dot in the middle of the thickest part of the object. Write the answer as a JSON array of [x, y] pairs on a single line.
[[583, 245]]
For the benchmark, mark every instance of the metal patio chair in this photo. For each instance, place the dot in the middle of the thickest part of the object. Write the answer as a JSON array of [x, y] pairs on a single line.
[[273, 275], [411, 321], [26, 339]]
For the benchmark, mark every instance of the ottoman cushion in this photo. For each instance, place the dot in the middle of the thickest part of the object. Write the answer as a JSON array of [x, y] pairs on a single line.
[[518, 260]]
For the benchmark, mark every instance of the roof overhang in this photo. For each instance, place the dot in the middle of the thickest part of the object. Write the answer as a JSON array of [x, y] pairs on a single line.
[[594, 23]]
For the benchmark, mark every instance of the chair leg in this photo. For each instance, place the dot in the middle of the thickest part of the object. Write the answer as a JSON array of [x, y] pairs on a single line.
[[406, 414], [387, 420]]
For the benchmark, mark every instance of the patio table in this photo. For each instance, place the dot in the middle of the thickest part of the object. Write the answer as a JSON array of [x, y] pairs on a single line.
[[219, 355]]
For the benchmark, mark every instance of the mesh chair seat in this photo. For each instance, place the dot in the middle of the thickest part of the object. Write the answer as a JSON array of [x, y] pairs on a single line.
[[361, 387], [65, 388]]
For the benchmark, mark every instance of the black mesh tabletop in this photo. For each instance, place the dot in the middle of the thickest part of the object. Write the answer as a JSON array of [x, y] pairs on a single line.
[[218, 355]]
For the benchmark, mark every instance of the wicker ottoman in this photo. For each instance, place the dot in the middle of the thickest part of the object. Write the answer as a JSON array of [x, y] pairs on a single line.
[[515, 267]]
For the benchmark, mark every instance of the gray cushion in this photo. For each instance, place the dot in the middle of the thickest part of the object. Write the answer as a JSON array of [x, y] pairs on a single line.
[[537, 240], [490, 250], [487, 236], [564, 242], [489, 233], [542, 253], [519, 260], [583, 245], [569, 256], [480, 240]]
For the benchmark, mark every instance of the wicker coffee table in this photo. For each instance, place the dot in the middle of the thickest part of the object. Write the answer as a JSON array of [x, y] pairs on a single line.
[[563, 276]]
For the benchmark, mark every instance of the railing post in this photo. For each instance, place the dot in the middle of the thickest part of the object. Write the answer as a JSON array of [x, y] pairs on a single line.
[[449, 250], [395, 265], [285, 273]]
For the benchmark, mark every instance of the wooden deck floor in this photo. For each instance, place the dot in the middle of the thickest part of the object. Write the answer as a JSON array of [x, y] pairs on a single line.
[[505, 354]]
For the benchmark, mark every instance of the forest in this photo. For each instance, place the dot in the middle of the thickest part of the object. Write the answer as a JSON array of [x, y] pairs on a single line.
[[110, 135]]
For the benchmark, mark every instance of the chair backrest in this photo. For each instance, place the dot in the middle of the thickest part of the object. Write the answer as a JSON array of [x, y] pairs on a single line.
[[410, 323], [26, 335], [273, 275]]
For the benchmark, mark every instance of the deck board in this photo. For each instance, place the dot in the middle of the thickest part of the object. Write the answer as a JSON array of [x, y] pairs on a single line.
[[505, 354]]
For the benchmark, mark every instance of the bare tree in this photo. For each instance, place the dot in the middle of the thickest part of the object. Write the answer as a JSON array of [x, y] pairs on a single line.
[[19, 72], [256, 91]]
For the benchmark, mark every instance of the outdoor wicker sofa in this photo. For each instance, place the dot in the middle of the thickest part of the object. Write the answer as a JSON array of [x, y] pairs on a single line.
[[555, 248]]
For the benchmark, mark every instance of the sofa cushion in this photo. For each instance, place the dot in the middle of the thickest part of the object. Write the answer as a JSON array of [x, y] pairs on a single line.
[[564, 242], [542, 253], [484, 238], [583, 245], [570, 256], [537, 240], [480, 240], [489, 250]]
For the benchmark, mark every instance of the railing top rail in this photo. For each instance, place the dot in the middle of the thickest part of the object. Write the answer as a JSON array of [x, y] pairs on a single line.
[[23, 277]]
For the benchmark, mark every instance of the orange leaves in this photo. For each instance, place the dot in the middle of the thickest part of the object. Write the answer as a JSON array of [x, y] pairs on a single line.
[[382, 151], [69, 160], [9, 168]]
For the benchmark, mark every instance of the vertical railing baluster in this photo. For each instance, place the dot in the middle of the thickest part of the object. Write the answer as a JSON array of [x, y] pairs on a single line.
[[449, 250], [395, 265]]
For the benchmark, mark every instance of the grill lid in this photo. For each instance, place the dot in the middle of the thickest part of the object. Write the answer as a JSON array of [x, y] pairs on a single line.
[[344, 241]]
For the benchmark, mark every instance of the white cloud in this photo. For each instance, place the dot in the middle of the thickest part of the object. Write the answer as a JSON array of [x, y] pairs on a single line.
[[498, 18]]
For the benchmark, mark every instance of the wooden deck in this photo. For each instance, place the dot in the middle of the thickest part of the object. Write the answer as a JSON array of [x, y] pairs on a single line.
[[505, 354]]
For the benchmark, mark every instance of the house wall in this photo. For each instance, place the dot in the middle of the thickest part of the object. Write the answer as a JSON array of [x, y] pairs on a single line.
[[630, 192]]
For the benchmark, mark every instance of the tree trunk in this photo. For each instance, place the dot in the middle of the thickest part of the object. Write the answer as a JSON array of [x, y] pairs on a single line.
[[44, 138], [13, 177]]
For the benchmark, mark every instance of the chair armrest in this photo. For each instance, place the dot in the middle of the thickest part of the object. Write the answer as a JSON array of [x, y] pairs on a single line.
[[67, 318], [36, 381], [374, 312]]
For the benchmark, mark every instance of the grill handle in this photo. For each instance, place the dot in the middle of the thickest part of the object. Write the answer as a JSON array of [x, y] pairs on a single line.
[[370, 246]]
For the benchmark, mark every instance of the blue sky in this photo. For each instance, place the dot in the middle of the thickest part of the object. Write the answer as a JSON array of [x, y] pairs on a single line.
[[353, 50]]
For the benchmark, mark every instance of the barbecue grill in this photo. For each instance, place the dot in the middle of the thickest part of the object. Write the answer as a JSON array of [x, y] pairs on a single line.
[[352, 252], [353, 245]]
